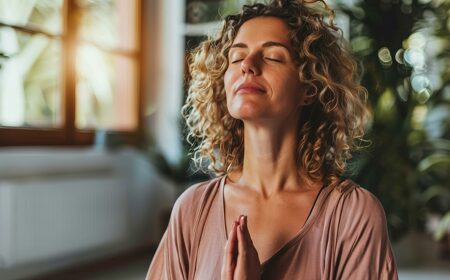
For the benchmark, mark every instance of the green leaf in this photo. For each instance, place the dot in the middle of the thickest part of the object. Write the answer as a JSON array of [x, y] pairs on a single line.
[[435, 191], [440, 144], [443, 227], [433, 161]]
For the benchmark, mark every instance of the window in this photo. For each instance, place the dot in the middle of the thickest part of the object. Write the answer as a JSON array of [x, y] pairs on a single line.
[[68, 68]]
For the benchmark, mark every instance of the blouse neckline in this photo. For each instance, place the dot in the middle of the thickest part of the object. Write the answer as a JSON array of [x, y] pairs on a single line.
[[315, 209]]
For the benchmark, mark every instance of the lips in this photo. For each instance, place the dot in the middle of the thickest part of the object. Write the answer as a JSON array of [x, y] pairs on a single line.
[[250, 87]]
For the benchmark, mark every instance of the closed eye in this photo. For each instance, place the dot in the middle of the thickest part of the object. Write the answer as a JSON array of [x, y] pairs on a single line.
[[268, 58], [273, 59]]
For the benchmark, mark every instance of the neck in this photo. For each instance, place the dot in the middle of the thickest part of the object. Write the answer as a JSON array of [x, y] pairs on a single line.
[[269, 164]]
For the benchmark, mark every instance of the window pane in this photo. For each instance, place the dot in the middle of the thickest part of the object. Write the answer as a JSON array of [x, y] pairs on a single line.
[[29, 79], [42, 14], [110, 23], [106, 90]]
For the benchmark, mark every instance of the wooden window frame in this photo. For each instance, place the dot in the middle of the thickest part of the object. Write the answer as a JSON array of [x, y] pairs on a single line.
[[68, 134]]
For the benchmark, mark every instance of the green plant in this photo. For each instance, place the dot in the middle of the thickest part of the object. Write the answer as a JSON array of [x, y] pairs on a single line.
[[402, 46]]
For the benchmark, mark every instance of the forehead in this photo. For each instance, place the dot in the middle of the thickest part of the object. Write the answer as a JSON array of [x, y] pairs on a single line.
[[263, 29]]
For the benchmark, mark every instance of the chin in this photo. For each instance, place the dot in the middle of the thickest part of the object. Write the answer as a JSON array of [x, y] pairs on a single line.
[[247, 110], [248, 114]]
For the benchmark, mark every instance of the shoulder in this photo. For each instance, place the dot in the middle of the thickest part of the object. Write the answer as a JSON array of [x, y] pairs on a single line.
[[360, 201], [187, 209], [353, 195], [358, 209], [360, 235], [196, 195]]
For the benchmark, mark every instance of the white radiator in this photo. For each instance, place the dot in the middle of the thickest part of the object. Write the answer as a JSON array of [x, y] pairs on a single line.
[[48, 217], [61, 207]]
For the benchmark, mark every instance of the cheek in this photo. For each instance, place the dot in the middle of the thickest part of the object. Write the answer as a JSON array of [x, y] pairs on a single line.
[[293, 87], [289, 93], [295, 92]]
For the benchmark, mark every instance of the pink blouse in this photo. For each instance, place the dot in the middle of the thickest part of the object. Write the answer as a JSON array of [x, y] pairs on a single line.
[[344, 237]]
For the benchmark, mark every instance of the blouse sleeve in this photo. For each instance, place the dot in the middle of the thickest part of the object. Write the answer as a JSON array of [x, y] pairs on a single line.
[[363, 247], [171, 259]]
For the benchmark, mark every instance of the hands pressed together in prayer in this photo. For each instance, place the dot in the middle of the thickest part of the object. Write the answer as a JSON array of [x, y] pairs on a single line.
[[241, 261]]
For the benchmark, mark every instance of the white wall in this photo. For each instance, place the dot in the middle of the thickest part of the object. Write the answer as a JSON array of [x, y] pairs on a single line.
[[163, 73]]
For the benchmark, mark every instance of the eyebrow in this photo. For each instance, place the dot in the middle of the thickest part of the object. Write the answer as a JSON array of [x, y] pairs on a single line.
[[265, 45]]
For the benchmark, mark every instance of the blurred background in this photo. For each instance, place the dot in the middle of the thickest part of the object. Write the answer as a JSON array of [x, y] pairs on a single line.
[[92, 154]]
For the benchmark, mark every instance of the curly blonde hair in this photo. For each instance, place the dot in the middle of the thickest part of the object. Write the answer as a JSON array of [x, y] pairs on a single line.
[[329, 128]]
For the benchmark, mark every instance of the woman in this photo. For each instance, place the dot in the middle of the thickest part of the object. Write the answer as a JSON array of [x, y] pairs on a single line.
[[275, 106]]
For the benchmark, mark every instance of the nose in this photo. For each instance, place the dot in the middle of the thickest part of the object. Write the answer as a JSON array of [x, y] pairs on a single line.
[[250, 65]]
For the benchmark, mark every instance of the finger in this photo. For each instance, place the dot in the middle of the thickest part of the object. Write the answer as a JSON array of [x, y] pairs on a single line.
[[230, 252], [250, 246], [230, 248], [232, 239], [240, 218], [242, 239]]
